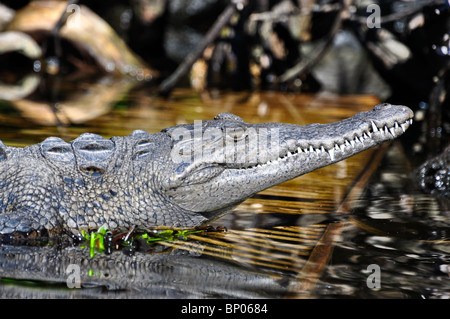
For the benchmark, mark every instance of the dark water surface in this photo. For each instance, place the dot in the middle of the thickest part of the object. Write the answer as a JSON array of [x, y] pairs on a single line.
[[397, 228], [359, 228]]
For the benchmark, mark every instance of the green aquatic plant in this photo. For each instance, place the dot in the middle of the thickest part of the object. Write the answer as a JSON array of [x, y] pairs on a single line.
[[97, 240], [167, 235]]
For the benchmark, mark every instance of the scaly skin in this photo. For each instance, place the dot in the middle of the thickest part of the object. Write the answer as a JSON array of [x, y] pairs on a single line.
[[184, 176]]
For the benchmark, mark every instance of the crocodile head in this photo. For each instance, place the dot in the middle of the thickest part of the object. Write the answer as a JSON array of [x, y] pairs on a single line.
[[217, 164]]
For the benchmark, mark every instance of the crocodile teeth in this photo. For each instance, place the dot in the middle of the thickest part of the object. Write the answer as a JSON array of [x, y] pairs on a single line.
[[331, 153], [392, 130], [404, 126], [374, 127]]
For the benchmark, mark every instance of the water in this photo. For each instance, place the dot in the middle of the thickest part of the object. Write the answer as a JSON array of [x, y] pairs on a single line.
[[271, 247], [399, 229]]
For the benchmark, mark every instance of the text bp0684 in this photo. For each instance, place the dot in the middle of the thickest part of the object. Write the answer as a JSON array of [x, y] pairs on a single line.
[[230, 308], [245, 308]]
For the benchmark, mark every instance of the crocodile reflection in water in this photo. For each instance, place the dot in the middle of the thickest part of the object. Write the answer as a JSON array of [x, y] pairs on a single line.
[[139, 180], [169, 275]]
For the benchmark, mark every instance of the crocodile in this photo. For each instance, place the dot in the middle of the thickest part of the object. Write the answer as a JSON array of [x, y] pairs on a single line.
[[181, 177]]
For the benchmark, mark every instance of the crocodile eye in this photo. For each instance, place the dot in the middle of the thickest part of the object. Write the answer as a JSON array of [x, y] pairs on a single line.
[[185, 147], [236, 133]]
